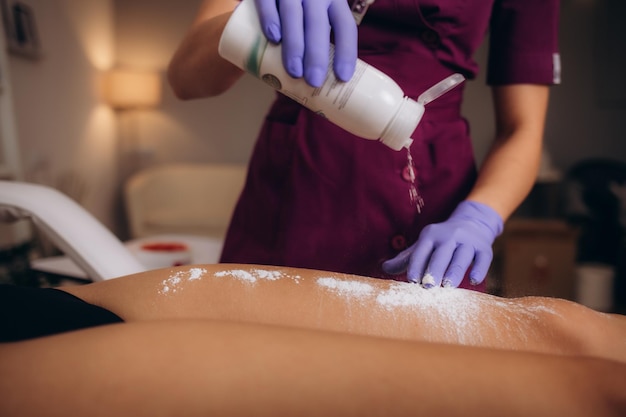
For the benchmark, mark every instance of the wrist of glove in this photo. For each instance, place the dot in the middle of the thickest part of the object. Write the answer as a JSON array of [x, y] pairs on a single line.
[[303, 28], [445, 251]]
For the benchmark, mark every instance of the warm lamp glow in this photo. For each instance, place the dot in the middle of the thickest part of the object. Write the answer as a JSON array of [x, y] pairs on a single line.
[[126, 89]]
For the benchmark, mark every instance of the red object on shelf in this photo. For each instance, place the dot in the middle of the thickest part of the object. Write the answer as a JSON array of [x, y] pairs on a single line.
[[165, 247]]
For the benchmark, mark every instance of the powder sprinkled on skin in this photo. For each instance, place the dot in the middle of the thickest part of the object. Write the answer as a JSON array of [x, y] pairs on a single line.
[[452, 314], [343, 287], [239, 274], [172, 284], [253, 275], [196, 273], [457, 310], [461, 316], [349, 289], [269, 275], [404, 294], [450, 310]]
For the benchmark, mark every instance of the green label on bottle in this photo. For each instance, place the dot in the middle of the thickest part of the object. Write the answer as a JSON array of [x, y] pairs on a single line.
[[253, 63]]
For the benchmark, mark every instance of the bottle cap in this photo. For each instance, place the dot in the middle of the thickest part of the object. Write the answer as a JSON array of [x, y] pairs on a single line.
[[441, 88], [242, 41], [397, 134]]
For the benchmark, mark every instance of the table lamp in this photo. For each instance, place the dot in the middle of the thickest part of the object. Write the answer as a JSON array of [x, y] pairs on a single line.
[[129, 92], [132, 89]]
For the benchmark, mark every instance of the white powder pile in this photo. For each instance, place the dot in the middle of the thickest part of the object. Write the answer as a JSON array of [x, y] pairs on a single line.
[[174, 281], [456, 312], [428, 281], [453, 315], [196, 273], [451, 304], [253, 275]]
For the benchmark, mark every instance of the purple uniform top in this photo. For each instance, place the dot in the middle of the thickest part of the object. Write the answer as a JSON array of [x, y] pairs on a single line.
[[319, 197]]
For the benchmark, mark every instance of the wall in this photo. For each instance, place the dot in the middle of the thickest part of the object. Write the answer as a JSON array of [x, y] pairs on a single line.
[[220, 129], [67, 137]]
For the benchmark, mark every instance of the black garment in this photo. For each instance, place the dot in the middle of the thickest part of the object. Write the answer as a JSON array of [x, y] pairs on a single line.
[[27, 313]]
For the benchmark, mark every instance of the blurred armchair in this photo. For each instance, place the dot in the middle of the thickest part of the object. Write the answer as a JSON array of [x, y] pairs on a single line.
[[190, 199]]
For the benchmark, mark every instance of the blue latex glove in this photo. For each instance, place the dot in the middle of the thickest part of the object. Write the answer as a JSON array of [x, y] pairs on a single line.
[[303, 27], [444, 251]]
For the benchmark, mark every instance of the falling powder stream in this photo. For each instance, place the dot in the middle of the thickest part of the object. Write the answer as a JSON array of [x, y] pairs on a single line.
[[414, 194]]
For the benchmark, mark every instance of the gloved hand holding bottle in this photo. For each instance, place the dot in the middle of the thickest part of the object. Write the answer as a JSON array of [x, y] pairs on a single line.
[[445, 251], [303, 28]]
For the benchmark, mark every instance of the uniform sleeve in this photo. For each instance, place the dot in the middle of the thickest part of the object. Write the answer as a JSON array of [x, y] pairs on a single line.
[[524, 43]]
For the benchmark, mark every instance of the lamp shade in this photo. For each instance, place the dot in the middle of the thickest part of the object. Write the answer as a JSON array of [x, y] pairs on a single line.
[[128, 89]]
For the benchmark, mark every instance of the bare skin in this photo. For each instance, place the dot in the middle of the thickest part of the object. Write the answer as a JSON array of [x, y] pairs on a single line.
[[234, 340], [351, 304], [196, 69], [200, 367]]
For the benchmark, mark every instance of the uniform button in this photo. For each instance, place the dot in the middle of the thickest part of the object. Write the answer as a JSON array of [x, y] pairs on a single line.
[[398, 242], [408, 174], [430, 38]]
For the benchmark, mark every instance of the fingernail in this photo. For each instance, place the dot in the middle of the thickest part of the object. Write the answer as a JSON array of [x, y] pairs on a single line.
[[344, 72], [274, 33], [294, 67], [474, 281], [446, 283], [315, 76], [428, 281]]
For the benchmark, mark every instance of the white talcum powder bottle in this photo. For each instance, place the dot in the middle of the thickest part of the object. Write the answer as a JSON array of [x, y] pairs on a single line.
[[371, 105]]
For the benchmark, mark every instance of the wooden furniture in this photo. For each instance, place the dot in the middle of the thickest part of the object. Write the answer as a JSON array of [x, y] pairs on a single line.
[[535, 257]]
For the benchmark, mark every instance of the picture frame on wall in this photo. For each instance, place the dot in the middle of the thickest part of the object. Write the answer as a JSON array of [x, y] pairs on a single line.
[[20, 28]]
